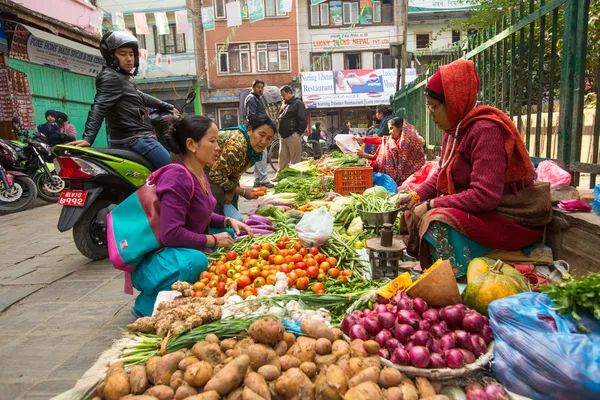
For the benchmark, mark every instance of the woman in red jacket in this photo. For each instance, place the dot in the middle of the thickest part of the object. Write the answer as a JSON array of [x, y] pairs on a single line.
[[483, 198]]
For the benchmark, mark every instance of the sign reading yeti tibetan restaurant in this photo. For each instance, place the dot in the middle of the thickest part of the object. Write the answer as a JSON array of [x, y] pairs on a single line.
[[359, 40], [350, 88]]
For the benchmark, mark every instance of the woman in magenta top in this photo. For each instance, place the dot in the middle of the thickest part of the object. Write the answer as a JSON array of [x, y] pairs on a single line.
[[188, 226]]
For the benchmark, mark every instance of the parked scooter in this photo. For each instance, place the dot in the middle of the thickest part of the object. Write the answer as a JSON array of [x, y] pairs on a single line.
[[97, 180], [17, 190]]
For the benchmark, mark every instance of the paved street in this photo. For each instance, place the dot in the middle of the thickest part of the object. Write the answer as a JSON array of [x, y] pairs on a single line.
[[59, 310]]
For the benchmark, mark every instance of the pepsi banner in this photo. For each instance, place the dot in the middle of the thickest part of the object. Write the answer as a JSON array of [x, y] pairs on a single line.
[[350, 88]]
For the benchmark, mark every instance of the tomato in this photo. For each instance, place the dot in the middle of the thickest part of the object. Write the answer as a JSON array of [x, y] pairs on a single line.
[[245, 254], [221, 290], [280, 245], [278, 260], [230, 273], [302, 283], [284, 239], [236, 276], [254, 273], [342, 278], [293, 275], [204, 275], [264, 254], [332, 261], [240, 262], [253, 263], [271, 280], [212, 284], [288, 259], [265, 273], [347, 272], [300, 272], [321, 277], [325, 266], [297, 258], [247, 293], [298, 246], [300, 265], [205, 281], [310, 262], [256, 247], [334, 272], [254, 254], [312, 272], [199, 294], [314, 251], [271, 259], [292, 252], [321, 291], [267, 246], [317, 287], [319, 258], [222, 269], [303, 252], [258, 282], [232, 255], [243, 282], [290, 282], [285, 268]]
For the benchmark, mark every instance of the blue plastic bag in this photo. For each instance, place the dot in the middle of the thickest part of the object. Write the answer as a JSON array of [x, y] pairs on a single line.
[[385, 181], [536, 360], [230, 211]]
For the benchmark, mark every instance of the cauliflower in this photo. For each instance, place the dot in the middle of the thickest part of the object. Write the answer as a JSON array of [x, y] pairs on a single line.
[[355, 227], [339, 204]]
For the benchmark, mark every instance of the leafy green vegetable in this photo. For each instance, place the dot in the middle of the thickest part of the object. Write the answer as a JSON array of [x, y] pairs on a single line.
[[339, 160], [572, 293], [294, 173], [373, 203], [376, 191], [307, 188]]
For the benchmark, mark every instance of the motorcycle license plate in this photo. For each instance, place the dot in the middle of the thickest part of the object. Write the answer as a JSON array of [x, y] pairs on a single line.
[[72, 198]]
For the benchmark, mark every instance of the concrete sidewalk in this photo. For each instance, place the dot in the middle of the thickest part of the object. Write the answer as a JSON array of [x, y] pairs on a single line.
[[58, 310]]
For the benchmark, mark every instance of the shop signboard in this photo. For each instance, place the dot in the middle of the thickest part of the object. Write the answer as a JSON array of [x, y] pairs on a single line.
[[437, 5], [351, 88], [220, 95], [335, 13], [353, 40]]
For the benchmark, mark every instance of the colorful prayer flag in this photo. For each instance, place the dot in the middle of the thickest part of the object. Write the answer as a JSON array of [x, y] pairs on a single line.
[[141, 24]]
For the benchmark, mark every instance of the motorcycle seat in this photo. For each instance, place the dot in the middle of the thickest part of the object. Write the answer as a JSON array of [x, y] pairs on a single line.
[[126, 154]]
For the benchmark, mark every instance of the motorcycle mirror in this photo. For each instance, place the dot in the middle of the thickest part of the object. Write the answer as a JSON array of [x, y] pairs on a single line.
[[190, 97]]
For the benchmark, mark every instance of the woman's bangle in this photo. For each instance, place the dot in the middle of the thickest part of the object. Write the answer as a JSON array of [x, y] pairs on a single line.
[[227, 222], [215, 240], [428, 205], [416, 197]]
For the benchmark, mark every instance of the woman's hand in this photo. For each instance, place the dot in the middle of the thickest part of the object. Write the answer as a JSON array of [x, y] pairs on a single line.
[[80, 143], [361, 154], [224, 240], [248, 194], [228, 198], [360, 139], [419, 211], [405, 201], [238, 226]]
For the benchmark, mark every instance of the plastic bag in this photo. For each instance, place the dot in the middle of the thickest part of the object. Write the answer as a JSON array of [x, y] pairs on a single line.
[[549, 171], [538, 352], [416, 179], [347, 143], [230, 211], [385, 181], [315, 228]]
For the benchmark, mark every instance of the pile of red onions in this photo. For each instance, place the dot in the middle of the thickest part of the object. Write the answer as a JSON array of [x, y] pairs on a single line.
[[412, 333], [492, 391]]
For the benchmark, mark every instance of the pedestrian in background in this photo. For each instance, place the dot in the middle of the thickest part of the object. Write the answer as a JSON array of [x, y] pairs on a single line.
[[292, 124], [67, 130], [255, 111], [50, 129], [346, 129]]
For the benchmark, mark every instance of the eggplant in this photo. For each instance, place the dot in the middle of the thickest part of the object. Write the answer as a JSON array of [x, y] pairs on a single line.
[[259, 218]]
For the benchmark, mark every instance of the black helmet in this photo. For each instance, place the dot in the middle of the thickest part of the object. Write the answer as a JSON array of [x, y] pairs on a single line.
[[111, 41], [62, 117]]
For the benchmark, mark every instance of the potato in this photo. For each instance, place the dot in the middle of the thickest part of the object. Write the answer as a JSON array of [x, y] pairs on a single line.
[[138, 381], [288, 362], [228, 344], [249, 394], [281, 348], [424, 387], [331, 383], [166, 366], [409, 391], [161, 392], [209, 352], [317, 330], [259, 355], [358, 348], [372, 347], [309, 369], [437, 386], [184, 391], [294, 384], [139, 397], [117, 383], [370, 374], [267, 330], [151, 367], [323, 346], [373, 361], [337, 334], [271, 372], [322, 361], [198, 374], [230, 377], [241, 347], [303, 349], [258, 385], [186, 362], [340, 348], [210, 395], [352, 366], [176, 380], [393, 393], [436, 397], [365, 391], [390, 377], [407, 381], [289, 338], [211, 338], [236, 394], [100, 389]]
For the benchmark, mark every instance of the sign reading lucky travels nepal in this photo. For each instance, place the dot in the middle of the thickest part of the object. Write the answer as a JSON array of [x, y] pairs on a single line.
[[356, 40], [350, 88]]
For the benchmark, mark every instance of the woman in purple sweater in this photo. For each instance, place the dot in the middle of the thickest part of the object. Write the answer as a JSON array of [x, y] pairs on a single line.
[[188, 226]]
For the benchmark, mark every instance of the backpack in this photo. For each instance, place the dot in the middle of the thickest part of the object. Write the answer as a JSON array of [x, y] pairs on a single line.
[[133, 227]]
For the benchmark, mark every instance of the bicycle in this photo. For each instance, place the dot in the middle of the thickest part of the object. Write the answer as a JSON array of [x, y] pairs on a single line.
[[311, 150]]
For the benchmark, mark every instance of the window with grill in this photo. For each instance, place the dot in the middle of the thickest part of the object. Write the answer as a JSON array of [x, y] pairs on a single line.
[[235, 60], [141, 38], [350, 12], [220, 9], [320, 63], [422, 40], [273, 57], [170, 44], [376, 11], [455, 36]]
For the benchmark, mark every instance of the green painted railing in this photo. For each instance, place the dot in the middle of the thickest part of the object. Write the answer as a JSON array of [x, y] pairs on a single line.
[[533, 65]]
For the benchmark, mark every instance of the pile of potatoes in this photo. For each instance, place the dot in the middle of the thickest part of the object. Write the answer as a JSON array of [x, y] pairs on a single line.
[[269, 364]]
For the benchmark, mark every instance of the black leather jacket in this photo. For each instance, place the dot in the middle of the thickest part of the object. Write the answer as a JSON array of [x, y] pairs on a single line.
[[123, 105]]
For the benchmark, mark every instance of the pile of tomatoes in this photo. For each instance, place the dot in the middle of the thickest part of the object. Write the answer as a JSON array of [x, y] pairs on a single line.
[[257, 267]]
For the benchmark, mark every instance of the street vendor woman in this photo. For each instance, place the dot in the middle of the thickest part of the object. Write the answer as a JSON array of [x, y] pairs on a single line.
[[399, 155], [483, 198], [187, 226], [241, 148]]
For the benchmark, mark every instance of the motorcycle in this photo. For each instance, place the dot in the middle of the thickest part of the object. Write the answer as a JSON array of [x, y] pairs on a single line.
[[97, 180], [32, 154], [17, 190]]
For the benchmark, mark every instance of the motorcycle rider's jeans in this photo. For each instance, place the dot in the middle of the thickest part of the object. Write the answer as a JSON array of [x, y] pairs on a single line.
[[150, 149], [260, 171]]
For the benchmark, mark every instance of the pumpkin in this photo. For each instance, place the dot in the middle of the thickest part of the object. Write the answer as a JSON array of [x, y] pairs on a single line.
[[437, 286], [499, 281], [482, 264]]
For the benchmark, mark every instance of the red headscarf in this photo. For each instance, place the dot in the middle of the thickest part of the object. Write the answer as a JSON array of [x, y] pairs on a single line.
[[460, 87]]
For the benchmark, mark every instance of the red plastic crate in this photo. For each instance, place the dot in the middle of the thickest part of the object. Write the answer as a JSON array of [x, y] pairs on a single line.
[[352, 180]]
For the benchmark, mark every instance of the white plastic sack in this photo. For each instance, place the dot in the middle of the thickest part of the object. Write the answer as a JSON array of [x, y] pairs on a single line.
[[315, 228], [167, 295], [347, 143]]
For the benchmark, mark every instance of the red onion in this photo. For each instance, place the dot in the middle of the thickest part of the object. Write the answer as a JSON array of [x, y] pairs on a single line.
[[438, 330], [347, 323], [387, 319], [358, 332], [372, 324], [367, 312], [461, 306], [478, 344], [404, 304], [447, 342], [469, 357], [477, 394], [392, 343], [384, 353], [408, 346], [420, 338], [400, 356], [382, 300], [452, 315], [455, 359], [419, 356], [487, 334], [496, 392], [436, 361], [409, 317], [486, 320], [437, 347], [473, 322], [424, 325], [463, 340], [380, 308], [403, 332], [358, 314], [383, 336], [473, 386], [393, 309], [431, 315], [419, 305]]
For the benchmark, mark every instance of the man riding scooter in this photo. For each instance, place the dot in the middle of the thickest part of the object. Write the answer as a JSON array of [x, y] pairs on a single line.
[[122, 104]]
